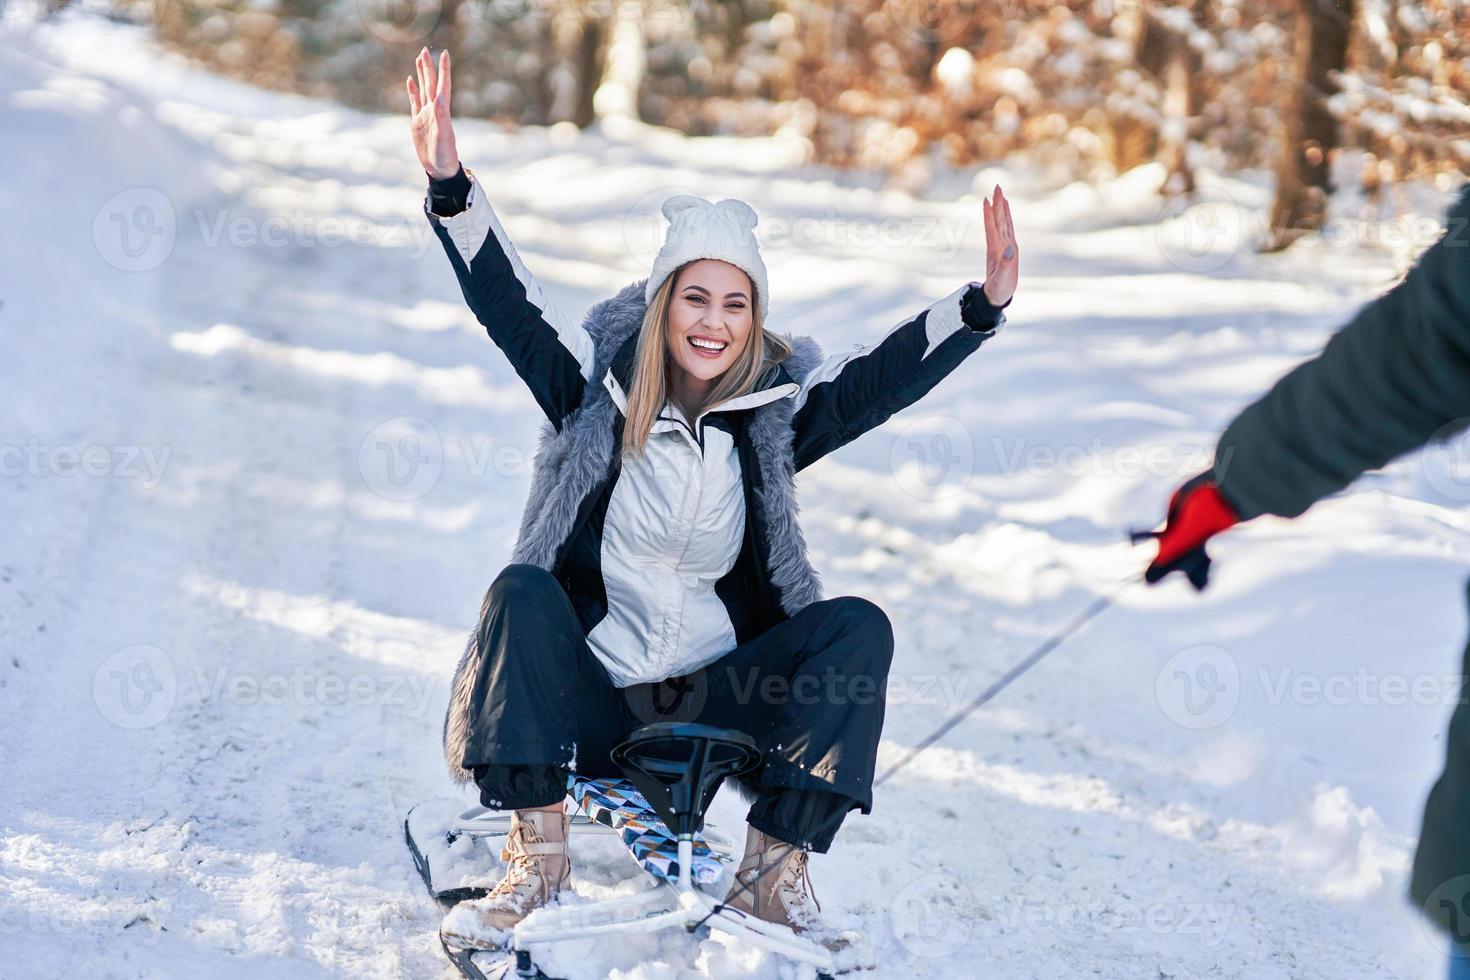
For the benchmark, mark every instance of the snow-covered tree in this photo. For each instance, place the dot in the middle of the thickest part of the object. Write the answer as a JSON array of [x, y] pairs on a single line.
[[1085, 88]]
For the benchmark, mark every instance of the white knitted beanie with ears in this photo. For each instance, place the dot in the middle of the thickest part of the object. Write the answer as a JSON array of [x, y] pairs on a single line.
[[700, 229]]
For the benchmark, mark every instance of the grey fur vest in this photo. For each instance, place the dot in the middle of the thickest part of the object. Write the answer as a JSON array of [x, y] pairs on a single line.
[[573, 462]]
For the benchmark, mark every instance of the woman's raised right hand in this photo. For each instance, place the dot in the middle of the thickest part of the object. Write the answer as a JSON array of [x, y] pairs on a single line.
[[428, 102]]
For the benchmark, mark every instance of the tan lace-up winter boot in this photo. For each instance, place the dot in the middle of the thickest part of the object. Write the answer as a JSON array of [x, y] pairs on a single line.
[[772, 883], [540, 865]]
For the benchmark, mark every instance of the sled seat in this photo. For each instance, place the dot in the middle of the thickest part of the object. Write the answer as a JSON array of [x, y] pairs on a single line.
[[673, 772], [679, 766], [616, 805]]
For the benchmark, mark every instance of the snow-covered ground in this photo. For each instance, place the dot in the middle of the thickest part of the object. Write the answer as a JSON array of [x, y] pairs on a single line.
[[260, 464]]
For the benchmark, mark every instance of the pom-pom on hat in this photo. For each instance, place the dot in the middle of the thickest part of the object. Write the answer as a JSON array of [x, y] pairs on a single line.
[[701, 229]]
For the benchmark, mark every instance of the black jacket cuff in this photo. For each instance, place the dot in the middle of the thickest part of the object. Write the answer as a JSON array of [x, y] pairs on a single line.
[[978, 312], [451, 195]]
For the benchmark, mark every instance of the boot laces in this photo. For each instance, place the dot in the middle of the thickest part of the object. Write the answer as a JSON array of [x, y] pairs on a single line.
[[522, 865], [797, 879]]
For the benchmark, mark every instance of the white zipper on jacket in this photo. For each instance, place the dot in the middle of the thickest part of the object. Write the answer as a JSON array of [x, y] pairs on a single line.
[[749, 400], [661, 611]]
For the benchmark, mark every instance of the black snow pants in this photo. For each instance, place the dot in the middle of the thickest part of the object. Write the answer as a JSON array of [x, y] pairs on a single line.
[[809, 690]]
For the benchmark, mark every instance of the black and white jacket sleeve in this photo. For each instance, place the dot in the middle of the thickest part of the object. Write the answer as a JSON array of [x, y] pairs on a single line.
[[550, 350], [849, 393]]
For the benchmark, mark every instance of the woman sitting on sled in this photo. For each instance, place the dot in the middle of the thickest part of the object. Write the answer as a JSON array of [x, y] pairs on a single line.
[[660, 547]]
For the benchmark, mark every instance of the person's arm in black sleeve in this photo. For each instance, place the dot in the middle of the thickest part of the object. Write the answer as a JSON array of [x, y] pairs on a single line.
[[451, 195], [1385, 384], [548, 347], [852, 392], [1392, 379], [978, 312]]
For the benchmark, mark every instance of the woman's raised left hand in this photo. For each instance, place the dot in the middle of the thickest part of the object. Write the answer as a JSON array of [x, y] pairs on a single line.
[[1002, 257]]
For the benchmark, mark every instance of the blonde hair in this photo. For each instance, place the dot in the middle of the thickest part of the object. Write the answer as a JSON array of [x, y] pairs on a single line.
[[650, 389]]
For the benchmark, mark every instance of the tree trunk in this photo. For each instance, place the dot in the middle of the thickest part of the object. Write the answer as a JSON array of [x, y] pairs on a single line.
[[548, 83], [1166, 55], [448, 34], [624, 61], [589, 69], [1323, 29], [1178, 112], [1131, 140]]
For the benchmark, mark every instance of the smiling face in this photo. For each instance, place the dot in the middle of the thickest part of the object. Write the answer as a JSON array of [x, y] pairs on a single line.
[[710, 319]]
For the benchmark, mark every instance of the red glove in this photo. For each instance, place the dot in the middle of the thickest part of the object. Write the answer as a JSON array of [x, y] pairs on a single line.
[[1197, 512]]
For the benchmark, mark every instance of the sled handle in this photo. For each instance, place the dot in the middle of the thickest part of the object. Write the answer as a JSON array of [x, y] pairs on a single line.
[[678, 766]]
